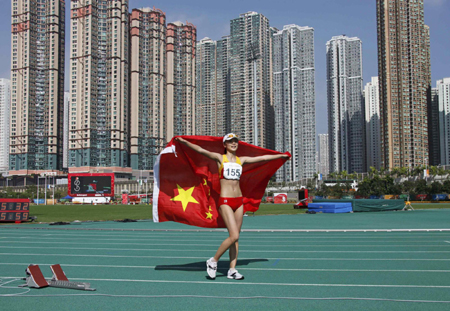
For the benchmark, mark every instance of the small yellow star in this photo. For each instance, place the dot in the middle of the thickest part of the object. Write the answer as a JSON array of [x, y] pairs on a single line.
[[210, 209], [208, 215], [204, 182], [185, 197]]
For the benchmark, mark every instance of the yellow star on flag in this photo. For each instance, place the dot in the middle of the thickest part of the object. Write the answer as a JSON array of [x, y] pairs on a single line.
[[185, 197], [204, 182], [208, 215], [210, 209]]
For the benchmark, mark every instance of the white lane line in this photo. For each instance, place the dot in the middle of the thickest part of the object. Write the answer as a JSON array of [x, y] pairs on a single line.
[[174, 267], [447, 241], [212, 250], [210, 283], [246, 258], [242, 238], [438, 244], [243, 230], [255, 236]]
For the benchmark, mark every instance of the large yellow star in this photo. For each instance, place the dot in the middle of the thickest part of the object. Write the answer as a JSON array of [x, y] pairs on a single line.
[[185, 197], [208, 215]]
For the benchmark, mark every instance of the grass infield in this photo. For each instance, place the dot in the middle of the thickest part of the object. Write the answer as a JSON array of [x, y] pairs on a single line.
[[68, 213]]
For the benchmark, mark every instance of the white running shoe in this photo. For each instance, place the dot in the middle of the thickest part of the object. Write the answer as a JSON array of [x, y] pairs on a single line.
[[234, 274], [211, 268]]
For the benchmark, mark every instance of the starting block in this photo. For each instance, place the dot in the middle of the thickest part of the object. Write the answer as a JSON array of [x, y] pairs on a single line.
[[35, 279]]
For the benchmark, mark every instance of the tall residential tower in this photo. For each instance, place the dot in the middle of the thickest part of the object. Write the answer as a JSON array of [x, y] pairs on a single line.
[[372, 106], [345, 105], [251, 41], [37, 86], [5, 103], [295, 101], [181, 52], [99, 86], [324, 163], [148, 115], [443, 94], [405, 82], [206, 95]]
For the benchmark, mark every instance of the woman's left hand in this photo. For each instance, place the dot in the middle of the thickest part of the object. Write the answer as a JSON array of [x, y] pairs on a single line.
[[286, 156]]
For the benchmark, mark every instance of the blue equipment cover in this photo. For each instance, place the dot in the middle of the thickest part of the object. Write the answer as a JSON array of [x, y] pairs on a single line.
[[330, 207]]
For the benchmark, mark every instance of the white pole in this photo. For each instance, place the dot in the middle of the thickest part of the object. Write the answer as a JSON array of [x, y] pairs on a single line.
[[53, 190], [146, 190], [139, 187], [37, 202]]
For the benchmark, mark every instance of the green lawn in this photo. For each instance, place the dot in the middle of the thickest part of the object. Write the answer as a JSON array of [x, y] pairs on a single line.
[[52, 213]]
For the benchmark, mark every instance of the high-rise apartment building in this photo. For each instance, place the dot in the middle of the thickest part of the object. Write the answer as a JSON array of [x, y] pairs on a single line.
[[405, 82], [345, 105], [223, 86], [148, 126], [206, 88], [294, 101], [181, 53], [434, 130], [99, 86], [213, 87], [324, 164], [5, 103], [443, 89], [251, 41], [372, 106], [37, 86]]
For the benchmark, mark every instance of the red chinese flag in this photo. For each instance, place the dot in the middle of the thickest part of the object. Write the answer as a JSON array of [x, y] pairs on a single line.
[[187, 186]]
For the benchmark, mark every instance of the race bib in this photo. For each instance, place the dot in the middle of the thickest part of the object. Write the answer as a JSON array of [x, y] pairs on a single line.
[[232, 171]]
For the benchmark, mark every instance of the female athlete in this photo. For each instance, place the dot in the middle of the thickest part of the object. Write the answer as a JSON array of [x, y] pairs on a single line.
[[231, 206]]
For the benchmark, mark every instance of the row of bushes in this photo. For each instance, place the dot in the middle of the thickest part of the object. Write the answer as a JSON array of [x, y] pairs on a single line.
[[378, 186]]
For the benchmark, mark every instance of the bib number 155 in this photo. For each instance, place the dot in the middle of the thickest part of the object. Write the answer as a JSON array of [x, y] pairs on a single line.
[[233, 172]]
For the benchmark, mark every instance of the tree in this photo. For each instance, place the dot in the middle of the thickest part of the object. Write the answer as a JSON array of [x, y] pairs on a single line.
[[364, 188], [395, 172], [446, 186], [409, 187], [337, 190], [404, 172], [421, 187], [441, 171], [436, 187], [323, 190], [433, 171]]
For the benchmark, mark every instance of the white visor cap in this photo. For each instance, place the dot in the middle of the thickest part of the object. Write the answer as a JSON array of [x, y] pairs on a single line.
[[230, 137]]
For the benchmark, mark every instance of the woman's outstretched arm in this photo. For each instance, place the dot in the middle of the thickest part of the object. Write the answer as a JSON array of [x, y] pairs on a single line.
[[212, 155], [268, 157]]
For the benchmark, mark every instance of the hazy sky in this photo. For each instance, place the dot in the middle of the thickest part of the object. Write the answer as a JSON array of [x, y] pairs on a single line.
[[354, 18]]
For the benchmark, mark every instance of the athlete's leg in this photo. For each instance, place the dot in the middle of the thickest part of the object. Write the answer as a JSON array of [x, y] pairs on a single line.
[[233, 230], [234, 248]]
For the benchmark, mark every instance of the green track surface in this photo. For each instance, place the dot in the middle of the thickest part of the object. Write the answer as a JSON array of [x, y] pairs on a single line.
[[161, 266]]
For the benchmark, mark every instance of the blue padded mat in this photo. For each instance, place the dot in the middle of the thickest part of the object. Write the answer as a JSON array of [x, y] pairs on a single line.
[[330, 207]]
